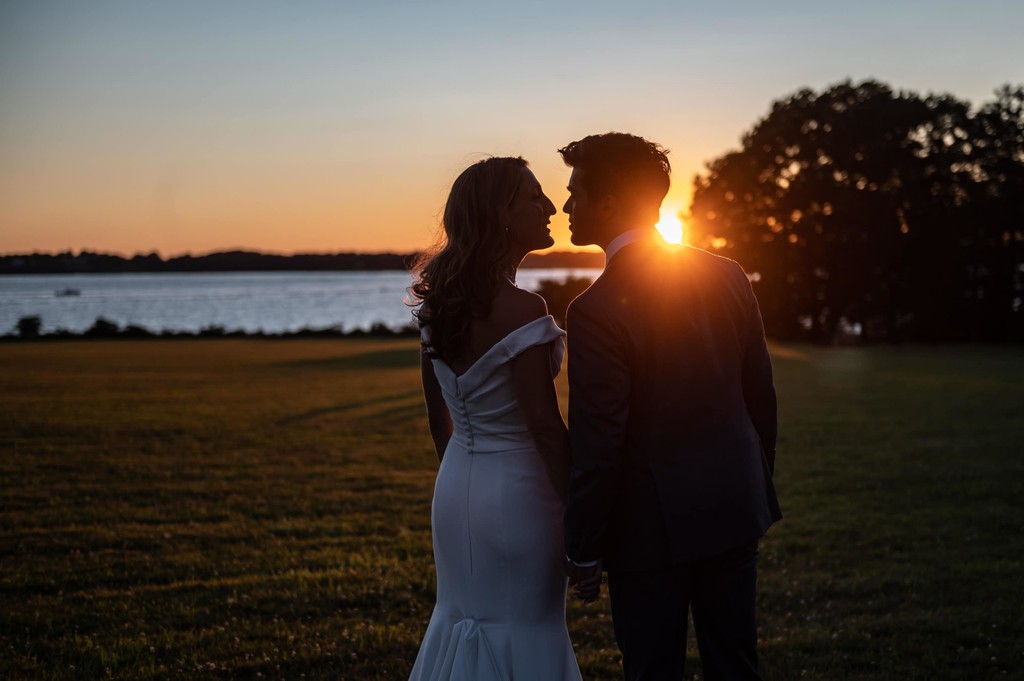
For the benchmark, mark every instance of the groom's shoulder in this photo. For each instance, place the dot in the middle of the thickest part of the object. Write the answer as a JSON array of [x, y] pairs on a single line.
[[713, 261], [588, 299], [694, 253]]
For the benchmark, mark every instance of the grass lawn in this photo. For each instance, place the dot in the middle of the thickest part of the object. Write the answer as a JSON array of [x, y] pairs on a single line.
[[261, 509]]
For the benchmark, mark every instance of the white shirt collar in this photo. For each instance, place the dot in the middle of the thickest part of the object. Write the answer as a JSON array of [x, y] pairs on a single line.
[[625, 239]]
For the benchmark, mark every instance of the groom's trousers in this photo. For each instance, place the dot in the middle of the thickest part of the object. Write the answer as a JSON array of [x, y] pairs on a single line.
[[649, 616]]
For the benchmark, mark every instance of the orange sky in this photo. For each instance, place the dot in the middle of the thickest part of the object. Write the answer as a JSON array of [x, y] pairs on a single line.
[[192, 127]]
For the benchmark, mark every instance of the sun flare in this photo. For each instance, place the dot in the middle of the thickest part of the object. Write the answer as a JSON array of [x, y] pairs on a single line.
[[670, 226]]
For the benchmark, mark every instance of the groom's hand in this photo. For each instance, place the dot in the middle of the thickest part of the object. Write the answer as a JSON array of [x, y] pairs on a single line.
[[585, 580]]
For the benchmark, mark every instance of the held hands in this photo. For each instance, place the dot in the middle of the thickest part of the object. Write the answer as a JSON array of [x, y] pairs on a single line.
[[586, 581]]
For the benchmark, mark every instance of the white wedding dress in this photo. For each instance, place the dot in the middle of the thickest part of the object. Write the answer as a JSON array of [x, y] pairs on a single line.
[[497, 530]]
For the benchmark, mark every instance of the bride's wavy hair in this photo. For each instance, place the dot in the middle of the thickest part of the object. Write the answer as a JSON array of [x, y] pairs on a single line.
[[457, 279]]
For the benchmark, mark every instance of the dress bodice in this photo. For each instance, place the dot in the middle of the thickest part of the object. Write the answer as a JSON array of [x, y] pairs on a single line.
[[485, 413]]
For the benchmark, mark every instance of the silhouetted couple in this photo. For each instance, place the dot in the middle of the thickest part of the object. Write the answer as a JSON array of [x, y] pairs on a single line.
[[663, 478]]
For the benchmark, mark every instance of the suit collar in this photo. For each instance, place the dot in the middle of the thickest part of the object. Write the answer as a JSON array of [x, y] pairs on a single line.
[[625, 239]]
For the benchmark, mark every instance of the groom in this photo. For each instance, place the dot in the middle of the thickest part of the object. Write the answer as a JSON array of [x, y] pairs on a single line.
[[672, 419]]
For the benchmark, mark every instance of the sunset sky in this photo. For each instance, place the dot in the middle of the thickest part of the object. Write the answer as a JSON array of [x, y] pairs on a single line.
[[299, 126]]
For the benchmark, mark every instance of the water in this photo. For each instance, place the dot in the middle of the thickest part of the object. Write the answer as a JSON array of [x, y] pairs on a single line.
[[249, 301]]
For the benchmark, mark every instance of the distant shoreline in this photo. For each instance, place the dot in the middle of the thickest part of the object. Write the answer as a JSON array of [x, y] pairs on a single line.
[[88, 262]]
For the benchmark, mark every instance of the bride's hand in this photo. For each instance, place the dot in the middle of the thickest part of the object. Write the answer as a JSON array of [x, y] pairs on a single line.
[[586, 582]]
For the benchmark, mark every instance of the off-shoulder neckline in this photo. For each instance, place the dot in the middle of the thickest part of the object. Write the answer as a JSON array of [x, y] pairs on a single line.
[[498, 344]]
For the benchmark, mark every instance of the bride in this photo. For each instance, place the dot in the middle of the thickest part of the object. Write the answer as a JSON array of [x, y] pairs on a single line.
[[490, 353]]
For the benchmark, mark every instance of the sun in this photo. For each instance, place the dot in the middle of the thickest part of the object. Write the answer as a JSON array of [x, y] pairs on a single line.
[[670, 226]]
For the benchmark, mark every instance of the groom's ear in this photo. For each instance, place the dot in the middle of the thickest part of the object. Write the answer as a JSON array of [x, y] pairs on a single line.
[[608, 205]]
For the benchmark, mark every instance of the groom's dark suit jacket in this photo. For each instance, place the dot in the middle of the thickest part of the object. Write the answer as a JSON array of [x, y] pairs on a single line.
[[672, 412]]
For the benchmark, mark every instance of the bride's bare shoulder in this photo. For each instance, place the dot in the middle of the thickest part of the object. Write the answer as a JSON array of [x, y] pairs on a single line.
[[513, 307]]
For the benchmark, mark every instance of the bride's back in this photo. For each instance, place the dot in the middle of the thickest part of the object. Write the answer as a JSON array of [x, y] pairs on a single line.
[[511, 308]]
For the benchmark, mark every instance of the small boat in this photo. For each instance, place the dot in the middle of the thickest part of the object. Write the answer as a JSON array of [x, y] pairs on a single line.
[[65, 292]]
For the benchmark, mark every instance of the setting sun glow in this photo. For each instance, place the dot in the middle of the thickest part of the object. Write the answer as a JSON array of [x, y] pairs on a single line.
[[670, 226]]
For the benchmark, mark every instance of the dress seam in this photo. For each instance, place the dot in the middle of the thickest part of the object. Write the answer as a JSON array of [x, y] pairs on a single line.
[[469, 515]]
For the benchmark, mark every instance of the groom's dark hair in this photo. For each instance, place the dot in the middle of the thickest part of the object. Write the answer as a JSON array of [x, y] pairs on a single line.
[[622, 165]]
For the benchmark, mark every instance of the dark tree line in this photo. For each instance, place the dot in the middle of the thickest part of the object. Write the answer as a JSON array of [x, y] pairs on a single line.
[[900, 213], [226, 261], [247, 261]]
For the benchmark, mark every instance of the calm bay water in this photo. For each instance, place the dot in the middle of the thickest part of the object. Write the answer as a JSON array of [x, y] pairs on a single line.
[[249, 301]]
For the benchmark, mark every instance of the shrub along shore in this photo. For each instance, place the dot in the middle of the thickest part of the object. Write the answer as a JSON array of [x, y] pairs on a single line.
[[29, 329]]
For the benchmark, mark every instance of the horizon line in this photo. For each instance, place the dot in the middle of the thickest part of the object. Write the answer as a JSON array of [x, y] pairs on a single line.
[[202, 254]]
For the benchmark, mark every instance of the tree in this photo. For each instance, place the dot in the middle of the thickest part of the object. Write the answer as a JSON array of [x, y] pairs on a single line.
[[997, 273], [861, 205], [103, 328], [29, 327]]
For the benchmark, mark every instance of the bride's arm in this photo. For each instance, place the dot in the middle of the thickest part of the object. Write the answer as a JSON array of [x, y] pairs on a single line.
[[438, 419], [535, 391]]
